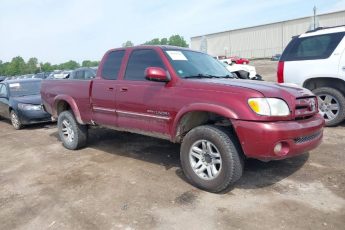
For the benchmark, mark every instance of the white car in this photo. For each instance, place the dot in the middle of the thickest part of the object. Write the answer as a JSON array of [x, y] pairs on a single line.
[[241, 71], [316, 61]]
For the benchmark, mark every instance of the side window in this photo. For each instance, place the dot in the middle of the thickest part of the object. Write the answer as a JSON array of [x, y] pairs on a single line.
[[3, 90], [79, 75], [89, 74], [139, 61], [314, 47], [307, 47], [112, 65]]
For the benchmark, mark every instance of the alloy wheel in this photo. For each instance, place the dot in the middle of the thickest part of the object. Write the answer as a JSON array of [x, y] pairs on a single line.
[[67, 130], [205, 159], [15, 120], [328, 106]]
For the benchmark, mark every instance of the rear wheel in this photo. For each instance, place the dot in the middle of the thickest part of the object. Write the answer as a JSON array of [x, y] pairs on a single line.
[[16, 123], [72, 134], [211, 158], [331, 105]]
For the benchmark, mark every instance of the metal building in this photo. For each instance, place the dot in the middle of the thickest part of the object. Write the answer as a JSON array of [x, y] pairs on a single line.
[[261, 41]]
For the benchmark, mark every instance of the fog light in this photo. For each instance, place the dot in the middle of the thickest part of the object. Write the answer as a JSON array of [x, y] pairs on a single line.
[[278, 148]]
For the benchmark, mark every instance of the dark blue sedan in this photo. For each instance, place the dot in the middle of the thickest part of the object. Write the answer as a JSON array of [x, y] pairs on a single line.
[[20, 101]]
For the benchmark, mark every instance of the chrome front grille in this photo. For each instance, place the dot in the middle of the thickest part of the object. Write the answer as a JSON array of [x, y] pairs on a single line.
[[305, 107]]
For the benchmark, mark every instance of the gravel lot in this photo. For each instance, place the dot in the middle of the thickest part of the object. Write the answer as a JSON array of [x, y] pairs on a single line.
[[128, 181]]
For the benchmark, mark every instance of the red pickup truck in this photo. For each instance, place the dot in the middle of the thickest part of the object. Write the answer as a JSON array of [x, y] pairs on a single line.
[[187, 97]]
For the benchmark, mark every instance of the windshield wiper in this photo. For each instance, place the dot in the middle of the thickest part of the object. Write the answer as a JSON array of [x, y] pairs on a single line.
[[209, 76], [227, 76], [200, 76]]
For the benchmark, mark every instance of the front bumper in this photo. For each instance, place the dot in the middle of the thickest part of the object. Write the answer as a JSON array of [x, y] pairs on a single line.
[[32, 117], [258, 139]]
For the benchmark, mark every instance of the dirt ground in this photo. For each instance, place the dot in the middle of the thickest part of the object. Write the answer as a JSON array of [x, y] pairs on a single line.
[[128, 181]]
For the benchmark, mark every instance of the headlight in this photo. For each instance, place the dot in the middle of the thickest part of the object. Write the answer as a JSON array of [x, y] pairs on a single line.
[[29, 107], [269, 106]]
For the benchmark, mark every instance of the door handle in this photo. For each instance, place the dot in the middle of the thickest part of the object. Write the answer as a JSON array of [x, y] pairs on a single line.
[[124, 89], [343, 68], [110, 88]]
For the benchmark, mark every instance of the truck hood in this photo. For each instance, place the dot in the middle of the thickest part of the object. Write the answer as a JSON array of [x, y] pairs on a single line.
[[267, 89]]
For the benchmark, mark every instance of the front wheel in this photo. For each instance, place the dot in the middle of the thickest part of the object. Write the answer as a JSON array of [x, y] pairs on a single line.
[[72, 134], [211, 158], [16, 123], [331, 105]]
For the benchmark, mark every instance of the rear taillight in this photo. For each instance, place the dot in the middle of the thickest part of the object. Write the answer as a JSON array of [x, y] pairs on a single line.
[[280, 72]]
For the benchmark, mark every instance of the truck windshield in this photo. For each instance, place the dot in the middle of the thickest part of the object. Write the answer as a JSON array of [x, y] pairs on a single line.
[[191, 64], [19, 89]]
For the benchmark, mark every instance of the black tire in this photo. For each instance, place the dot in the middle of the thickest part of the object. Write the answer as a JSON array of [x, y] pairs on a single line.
[[243, 74], [257, 77], [229, 150], [80, 132], [15, 120], [338, 98]]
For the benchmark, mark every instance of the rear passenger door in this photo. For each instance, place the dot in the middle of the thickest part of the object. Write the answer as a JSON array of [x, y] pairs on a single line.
[[104, 89], [143, 105]]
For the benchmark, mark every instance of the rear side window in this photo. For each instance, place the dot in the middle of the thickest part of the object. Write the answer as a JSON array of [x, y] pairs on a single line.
[[112, 65], [3, 91], [311, 48], [139, 61]]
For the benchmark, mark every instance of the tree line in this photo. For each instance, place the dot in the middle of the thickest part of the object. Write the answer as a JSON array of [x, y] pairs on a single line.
[[173, 40], [18, 66]]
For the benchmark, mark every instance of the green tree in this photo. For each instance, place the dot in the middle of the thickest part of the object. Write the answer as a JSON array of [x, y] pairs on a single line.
[[46, 67], [5, 68], [1, 68], [17, 66], [70, 65], [31, 65], [88, 63], [127, 44], [154, 41], [174, 40], [177, 40], [164, 41]]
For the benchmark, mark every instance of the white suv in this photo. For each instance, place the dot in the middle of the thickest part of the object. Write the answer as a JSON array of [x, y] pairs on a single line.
[[316, 61]]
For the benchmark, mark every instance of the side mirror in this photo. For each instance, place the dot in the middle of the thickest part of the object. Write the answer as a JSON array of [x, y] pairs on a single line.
[[156, 74]]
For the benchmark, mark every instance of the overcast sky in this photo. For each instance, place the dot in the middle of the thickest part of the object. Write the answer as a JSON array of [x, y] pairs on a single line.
[[60, 30]]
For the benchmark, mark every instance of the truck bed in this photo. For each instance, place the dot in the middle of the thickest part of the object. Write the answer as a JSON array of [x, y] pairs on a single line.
[[77, 92]]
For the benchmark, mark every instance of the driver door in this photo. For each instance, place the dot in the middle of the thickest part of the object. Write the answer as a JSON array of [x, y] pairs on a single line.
[[142, 104]]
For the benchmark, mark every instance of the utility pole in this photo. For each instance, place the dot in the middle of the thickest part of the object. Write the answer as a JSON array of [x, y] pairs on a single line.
[[314, 18]]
